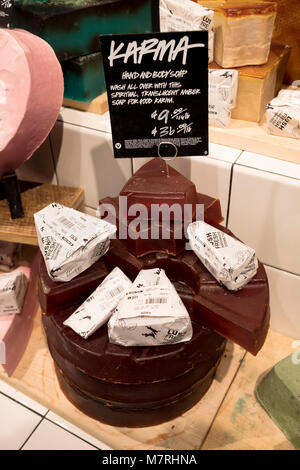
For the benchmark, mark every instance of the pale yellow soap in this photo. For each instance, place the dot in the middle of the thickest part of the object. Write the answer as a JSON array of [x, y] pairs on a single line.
[[259, 84]]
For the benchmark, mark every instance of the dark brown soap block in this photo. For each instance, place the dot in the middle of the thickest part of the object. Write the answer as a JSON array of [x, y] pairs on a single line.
[[169, 235], [242, 316], [64, 294], [159, 183], [133, 386]]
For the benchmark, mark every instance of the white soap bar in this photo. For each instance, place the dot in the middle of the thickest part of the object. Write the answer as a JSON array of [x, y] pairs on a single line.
[[98, 308], [70, 241], [185, 15], [151, 315], [13, 288], [230, 261], [243, 33], [283, 114], [222, 91]]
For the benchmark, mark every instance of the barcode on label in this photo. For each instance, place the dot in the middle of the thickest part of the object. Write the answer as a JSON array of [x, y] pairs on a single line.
[[114, 292], [157, 300], [66, 222]]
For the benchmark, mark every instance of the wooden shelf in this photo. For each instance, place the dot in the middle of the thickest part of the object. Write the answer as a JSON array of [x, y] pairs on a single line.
[[253, 137], [217, 421], [33, 200]]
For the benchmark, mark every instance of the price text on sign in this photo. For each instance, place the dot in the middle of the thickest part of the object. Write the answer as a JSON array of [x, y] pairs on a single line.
[[157, 87], [6, 7]]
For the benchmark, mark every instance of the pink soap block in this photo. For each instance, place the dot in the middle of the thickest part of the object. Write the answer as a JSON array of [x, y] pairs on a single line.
[[31, 95], [15, 330]]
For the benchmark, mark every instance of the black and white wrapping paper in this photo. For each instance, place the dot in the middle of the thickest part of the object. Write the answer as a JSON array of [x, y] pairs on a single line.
[[98, 308], [230, 261], [70, 241], [13, 287], [151, 314], [184, 15], [283, 114], [222, 91]]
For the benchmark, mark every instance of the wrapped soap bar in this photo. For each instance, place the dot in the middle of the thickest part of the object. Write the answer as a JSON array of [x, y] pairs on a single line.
[[183, 15], [70, 241], [283, 114], [243, 32], [13, 288], [222, 91], [150, 315], [231, 262], [98, 308]]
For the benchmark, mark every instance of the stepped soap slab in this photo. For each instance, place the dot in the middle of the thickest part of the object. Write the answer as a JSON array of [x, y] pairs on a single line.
[[31, 94], [84, 77], [72, 28], [279, 393], [258, 84], [145, 244]]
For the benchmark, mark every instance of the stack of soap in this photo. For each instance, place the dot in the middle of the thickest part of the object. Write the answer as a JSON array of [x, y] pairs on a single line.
[[73, 28], [138, 385], [258, 84], [279, 393], [151, 184]]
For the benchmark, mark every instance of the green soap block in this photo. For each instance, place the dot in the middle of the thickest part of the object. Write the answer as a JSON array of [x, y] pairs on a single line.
[[84, 77], [279, 394], [72, 27]]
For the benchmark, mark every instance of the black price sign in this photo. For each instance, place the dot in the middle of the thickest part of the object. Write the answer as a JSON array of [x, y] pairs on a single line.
[[157, 87], [6, 7]]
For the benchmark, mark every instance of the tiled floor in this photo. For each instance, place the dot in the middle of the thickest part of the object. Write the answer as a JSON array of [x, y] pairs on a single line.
[[27, 425]]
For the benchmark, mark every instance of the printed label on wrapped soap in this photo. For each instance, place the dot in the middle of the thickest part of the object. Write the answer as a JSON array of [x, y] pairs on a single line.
[[150, 316], [222, 95], [98, 308], [13, 288], [231, 262], [70, 241]]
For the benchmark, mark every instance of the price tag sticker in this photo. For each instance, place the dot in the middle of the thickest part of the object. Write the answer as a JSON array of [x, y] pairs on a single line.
[[157, 87], [6, 9]]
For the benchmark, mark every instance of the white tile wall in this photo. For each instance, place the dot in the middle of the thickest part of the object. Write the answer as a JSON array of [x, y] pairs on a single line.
[[18, 396], [84, 158], [284, 302], [40, 167], [265, 211]]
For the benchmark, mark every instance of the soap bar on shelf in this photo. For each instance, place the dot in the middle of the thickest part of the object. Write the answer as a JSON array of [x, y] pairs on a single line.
[[279, 394], [175, 239], [97, 309], [53, 294], [258, 84], [283, 114], [13, 288], [157, 183], [243, 33], [73, 28], [222, 90], [183, 15], [84, 77]]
